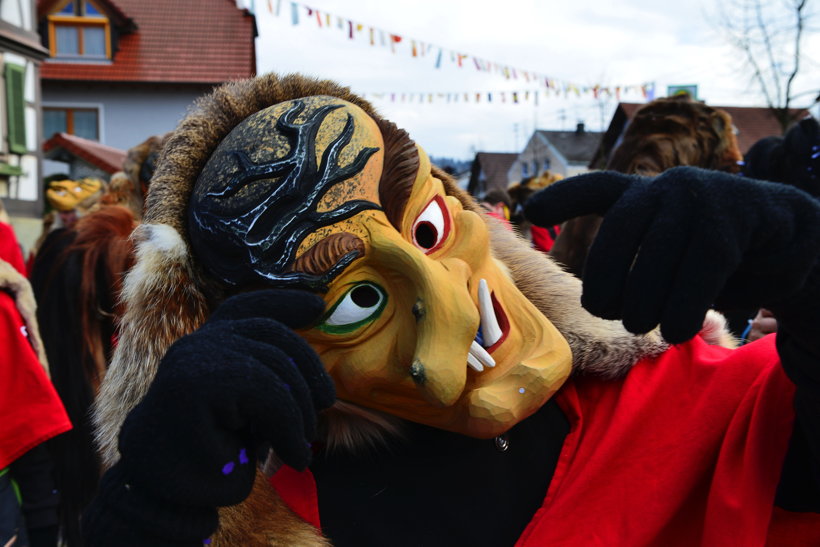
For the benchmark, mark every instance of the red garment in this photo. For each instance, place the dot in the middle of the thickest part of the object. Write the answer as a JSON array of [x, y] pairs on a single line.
[[686, 450], [9, 248], [542, 238], [30, 409]]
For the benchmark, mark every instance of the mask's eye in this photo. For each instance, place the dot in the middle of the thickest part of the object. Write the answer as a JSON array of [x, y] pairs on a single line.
[[432, 226], [360, 305]]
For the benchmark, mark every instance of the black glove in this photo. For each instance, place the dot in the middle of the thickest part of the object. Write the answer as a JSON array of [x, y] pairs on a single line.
[[244, 379], [672, 246]]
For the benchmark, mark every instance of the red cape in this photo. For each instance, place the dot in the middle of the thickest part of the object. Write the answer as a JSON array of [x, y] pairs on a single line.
[[686, 450], [30, 409]]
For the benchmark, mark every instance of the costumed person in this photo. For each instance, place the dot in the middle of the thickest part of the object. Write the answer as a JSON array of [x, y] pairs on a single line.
[[72, 199], [664, 133], [307, 282], [792, 159], [66, 202], [497, 203], [30, 411], [543, 238], [129, 186], [76, 275]]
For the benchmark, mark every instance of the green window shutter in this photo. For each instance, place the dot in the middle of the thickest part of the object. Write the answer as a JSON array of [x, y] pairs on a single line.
[[16, 108]]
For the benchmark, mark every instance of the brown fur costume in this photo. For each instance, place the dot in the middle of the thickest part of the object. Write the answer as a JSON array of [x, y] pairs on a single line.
[[664, 133], [168, 295], [129, 186]]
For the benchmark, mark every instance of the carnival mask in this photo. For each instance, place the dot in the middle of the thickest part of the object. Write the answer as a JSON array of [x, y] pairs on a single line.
[[421, 321]]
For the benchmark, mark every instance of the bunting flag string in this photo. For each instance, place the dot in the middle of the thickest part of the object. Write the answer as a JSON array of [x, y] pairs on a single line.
[[420, 49], [516, 97]]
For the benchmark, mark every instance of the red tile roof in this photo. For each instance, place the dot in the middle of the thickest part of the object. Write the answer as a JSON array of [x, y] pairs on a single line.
[[179, 41], [107, 158]]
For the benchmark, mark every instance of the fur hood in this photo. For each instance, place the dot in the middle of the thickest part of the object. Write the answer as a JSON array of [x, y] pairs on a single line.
[[167, 295]]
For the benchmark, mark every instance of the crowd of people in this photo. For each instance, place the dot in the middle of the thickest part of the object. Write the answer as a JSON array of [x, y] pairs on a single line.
[[268, 346]]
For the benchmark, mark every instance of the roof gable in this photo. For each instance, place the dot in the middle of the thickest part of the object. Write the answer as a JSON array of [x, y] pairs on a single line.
[[494, 166], [107, 158], [183, 41], [575, 146]]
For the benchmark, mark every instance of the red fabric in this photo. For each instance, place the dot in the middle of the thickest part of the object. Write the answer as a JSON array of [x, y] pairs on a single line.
[[541, 238], [298, 491], [10, 250], [30, 409], [794, 529], [686, 450]]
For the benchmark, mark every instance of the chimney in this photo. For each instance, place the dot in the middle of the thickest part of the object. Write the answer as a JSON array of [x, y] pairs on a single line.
[[579, 128]]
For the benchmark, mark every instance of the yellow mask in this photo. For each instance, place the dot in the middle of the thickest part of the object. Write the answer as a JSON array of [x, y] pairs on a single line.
[[421, 322], [65, 195]]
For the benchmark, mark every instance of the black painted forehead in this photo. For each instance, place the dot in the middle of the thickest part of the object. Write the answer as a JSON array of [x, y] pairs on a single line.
[[266, 188]]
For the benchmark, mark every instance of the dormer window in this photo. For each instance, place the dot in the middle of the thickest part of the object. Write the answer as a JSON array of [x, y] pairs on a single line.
[[78, 31]]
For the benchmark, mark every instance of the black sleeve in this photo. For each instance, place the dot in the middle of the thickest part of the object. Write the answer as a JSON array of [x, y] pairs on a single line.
[[32, 472], [798, 344]]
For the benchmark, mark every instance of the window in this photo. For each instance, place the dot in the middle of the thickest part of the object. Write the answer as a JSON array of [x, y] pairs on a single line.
[[82, 122], [525, 169], [78, 31]]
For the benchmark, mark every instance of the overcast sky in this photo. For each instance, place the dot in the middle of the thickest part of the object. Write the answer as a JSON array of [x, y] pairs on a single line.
[[576, 44]]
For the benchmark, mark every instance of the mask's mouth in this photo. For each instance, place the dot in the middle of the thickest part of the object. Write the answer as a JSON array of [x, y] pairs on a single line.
[[492, 331]]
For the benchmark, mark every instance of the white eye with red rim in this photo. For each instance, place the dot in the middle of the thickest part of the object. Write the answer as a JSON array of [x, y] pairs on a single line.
[[432, 226]]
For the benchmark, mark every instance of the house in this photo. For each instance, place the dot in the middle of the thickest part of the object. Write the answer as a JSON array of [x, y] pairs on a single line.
[[20, 162], [84, 157], [564, 153], [489, 171], [119, 71], [751, 124]]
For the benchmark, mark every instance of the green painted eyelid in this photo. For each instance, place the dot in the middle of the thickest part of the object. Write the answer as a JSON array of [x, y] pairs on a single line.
[[350, 327]]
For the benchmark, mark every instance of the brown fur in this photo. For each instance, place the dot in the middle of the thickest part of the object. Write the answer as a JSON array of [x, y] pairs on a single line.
[[264, 519], [106, 249], [164, 302], [326, 252], [169, 296], [123, 192], [401, 163], [129, 186]]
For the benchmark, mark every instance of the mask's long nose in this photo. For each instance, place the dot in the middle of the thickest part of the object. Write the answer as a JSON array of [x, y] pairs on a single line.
[[446, 317]]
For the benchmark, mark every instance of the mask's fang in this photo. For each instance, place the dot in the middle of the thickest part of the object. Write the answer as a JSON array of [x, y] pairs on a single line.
[[490, 331], [481, 354], [474, 363]]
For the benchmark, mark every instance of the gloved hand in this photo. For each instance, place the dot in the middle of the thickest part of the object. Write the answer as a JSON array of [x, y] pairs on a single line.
[[672, 246], [242, 380]]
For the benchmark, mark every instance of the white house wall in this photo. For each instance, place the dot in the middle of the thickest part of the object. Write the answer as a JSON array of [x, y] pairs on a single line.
[[128, 115], [538, 148], [16, 12], [25, 187]]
